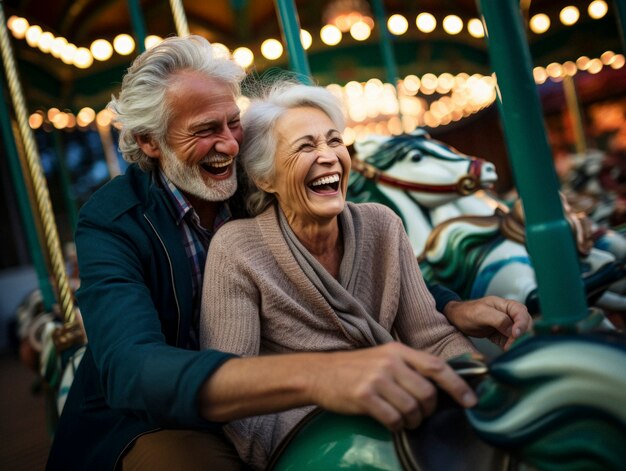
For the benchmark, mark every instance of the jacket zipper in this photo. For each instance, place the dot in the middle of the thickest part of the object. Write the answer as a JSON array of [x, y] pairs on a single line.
[[169, 261]]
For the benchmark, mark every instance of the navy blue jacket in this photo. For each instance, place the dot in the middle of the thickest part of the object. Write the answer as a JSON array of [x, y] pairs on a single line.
[[136, 301]]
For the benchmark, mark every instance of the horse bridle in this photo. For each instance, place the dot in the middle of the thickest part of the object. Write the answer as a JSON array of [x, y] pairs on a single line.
[[466, 185]]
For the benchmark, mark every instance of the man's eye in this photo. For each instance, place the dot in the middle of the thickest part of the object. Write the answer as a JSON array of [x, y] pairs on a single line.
[[203, 132], [234, 124]]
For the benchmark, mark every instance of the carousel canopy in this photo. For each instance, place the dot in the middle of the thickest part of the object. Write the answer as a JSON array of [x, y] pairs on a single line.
[[71, 54]]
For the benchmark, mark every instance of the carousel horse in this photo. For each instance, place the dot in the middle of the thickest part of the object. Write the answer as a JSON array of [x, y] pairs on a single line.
[[594, 183], [554, 402], [429, 184]]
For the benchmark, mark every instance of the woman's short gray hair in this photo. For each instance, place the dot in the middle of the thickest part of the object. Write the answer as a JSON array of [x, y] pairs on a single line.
[[259, 120], [141, 107]]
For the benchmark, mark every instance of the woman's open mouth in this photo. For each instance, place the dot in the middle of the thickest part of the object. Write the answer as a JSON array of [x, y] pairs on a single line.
[[325, 184]]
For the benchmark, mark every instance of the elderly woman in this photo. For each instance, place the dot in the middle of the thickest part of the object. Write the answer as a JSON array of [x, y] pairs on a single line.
[[310, 272]]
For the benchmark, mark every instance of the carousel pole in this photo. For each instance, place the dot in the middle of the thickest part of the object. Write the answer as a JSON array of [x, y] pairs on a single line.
[[386, 46], [620, 6], [180, 19], [290, 27], [66, 181], [549, 238], [573, 108], [42, 196], [30, 228], [139, 25]]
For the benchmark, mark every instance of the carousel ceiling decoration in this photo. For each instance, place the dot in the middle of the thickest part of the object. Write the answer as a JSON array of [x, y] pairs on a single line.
[[374, 107], [371, 106], [340, 17]]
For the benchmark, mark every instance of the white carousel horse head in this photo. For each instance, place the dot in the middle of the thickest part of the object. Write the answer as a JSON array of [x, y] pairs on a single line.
[[431, 171], [419, 178]]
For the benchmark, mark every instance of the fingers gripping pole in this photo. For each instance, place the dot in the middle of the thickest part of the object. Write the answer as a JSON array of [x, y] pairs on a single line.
[[42, 196], [180, 20]]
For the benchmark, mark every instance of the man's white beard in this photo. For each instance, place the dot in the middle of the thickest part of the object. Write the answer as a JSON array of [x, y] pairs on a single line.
[[189, 179]]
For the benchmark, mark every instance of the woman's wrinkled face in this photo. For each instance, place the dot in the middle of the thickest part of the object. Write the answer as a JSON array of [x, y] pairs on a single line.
[[312, 167]]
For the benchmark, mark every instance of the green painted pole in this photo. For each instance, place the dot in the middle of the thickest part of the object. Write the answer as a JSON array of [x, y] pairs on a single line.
[[66, 181], [32, 238], [290, 27], [620, 6], [549, 237], [386, 46], [139, 25]]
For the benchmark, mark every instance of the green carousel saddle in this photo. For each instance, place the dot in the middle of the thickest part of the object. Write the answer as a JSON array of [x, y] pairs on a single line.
[[445, 441]]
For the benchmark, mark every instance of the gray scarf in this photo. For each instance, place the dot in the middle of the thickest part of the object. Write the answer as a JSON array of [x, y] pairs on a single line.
[[339, 293]]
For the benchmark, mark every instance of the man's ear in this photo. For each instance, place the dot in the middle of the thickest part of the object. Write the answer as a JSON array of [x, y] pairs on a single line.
[[148, 145]]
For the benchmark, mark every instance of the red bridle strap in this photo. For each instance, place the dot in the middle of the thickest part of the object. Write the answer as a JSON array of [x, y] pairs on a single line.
[[465, 185]]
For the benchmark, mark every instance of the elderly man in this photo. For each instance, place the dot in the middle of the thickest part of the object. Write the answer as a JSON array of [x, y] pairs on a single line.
[[144, 397]]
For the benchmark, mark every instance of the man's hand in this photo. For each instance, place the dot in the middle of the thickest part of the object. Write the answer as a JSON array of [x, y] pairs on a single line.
[[501, 320], [393, 383]]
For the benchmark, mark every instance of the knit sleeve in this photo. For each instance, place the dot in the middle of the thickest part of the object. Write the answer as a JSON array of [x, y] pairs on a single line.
[[418, 323], [229, 319]]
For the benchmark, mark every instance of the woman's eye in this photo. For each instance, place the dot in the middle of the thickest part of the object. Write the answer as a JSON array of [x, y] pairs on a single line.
[[305, 147], [336, 141]]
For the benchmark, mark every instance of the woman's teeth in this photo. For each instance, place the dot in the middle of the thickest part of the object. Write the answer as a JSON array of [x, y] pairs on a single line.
[[325, 181]]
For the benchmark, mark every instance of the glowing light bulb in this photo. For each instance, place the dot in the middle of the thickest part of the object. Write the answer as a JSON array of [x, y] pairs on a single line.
[[452, 24], [124, 44], [243, 56], [540, 23], [397, 24], [271, 49], [597, 9], [101, 49], [330, 35], [306, 39], [425, 22], [569, 15]]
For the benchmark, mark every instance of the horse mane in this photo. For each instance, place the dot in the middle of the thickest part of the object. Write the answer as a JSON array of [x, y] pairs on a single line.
[[410, 145], [468, 239]]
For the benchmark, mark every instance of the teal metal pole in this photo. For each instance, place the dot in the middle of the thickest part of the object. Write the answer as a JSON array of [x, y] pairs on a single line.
[[32, 238], [290, 27], [620, 6], [139, 26], [66, 182], [386, 46], [549, 237]]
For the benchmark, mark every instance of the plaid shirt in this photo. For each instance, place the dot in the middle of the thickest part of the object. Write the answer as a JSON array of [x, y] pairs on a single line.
[[196, 240]]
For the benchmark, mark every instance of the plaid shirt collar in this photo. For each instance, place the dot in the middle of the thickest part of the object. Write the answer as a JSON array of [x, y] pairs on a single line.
[[183, 208]]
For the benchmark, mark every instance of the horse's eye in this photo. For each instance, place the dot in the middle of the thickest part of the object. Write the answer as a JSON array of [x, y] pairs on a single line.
[[416, 156]]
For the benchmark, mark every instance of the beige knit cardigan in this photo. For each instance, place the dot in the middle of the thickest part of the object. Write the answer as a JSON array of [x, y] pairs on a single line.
[[257, 300]]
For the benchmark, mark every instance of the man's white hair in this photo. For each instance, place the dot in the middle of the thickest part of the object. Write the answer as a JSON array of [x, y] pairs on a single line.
[[141, 107]]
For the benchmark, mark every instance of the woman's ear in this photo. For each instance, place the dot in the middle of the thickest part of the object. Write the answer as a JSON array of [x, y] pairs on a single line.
[[148, 145], [264, 185]]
